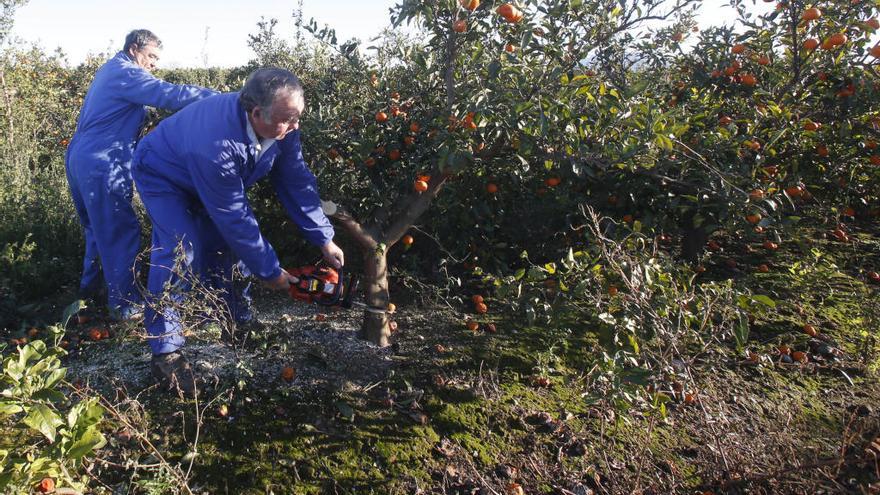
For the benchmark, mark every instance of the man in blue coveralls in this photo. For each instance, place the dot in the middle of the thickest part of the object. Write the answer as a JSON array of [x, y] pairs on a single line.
[[98, 165], [192, 173]]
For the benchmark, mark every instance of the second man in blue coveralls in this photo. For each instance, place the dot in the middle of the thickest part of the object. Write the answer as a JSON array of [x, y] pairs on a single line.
[[98, 165], [192, 173]]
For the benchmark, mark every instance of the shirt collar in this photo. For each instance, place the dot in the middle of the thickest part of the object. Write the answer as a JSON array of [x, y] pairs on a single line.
[[260, 146]]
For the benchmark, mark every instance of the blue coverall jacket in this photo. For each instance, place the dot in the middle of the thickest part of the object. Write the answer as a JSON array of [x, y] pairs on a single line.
[[98, 165], [192, 173]]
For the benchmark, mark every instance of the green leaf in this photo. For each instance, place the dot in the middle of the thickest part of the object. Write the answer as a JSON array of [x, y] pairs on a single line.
[[7, 408], [741, 331], [519, 274], [766, 301], [90, 440], [44, 420]]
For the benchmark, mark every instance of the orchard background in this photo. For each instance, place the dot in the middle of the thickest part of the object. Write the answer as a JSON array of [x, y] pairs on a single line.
[[621, 253]]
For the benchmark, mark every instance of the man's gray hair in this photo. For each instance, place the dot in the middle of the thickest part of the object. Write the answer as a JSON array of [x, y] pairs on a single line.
[[141, 38], [263, 85]]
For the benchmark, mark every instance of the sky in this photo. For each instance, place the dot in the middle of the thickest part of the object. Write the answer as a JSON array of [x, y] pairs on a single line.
[[94, 26]]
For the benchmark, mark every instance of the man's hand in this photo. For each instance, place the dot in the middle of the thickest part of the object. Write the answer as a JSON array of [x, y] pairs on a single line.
[[333, 255], [281, 282]]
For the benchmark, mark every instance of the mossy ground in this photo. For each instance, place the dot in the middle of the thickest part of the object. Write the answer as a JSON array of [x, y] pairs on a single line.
[[445, 410]]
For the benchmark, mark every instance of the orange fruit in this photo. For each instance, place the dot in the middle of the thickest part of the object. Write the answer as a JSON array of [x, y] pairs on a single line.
[[491, 188], [332, 154], [748, 79], [369, 162], [476, 298], [678, 37], [870, 144], [414, 127], [459, 26], [875, 51], [509, 48], [763, 60], [381, 117], [552, 181], [509, 13], [756, 195], [391, 308], [822, 150], [763, 268], [770, 245], [738, 48], [811, 14], [725, 120], [394, 155], [811, 126], [409, 141], [873, 23], [713, 245], [481, 307], [754, 218], [783, 349], [421, 186], [469, 4], [810, 330], [799, 356], [472, 325], [95, 334], [47, 485], [612, 291], [407, 240], [627, 218], [837, 39], [288, 374], [794, 191], [849, 212], [875, 159], [811, 44]]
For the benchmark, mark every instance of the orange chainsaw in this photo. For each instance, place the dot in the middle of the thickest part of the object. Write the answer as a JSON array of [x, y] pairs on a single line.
[[324, 285]]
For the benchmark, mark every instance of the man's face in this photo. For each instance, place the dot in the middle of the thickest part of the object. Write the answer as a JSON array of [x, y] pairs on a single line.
[[146, 56], [281, 118]]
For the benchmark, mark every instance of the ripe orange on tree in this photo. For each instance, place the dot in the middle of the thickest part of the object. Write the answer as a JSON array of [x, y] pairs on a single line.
[[288, 374], [491, 188], [748, 79], [477, 298], [409, 140], [822, 150], [738, 48], [369, 162], [472, 325], [510, 13], [756, 195], [381, 117], [770, 245], [481, 307], [509, 48], [763, 60], [799, 356], [469, 4], [763, 268], [95, 334], [394, 155], [811, 14], [612, 291], [421, 186], [725, 120], [414, 127], [459, 26], [552, 181], [753, 218], [407, 240], [873, 23], [810, 44], [837, 39], [875, 159], [875, 51], [794, 191]]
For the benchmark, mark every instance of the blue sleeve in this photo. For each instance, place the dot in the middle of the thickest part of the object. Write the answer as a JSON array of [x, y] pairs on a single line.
[[297, 189], [217, 178], [139, 86]]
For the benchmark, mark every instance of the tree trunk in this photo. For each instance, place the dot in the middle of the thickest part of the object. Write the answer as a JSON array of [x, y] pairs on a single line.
[[375, 327]]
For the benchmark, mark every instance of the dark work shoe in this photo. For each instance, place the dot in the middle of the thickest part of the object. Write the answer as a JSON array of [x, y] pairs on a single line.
[[173, 371]]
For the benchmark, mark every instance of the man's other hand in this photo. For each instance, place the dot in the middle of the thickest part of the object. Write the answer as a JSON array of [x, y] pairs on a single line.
[[281, 282], [333, 255]]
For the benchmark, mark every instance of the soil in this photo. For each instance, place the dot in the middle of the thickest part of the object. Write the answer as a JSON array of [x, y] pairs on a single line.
[[446, 410]]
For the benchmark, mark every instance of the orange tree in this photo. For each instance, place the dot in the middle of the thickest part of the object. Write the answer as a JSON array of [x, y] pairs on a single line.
[[510, 108]]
